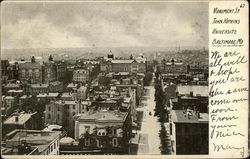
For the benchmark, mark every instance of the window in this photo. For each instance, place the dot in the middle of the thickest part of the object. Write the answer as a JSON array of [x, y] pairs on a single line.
[[48, 116], [87, 141], [98, 143], [54, 145], [58, 116], [171, 128], [74, 107], [74, 113], [115, 142], [114, 131], [51, 148], [58, 108], [49, 108]]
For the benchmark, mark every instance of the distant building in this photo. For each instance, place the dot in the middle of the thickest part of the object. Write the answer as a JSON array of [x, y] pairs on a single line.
[[193, 97], [50, 71], [39, 88], [61, 69], [31, 142], [9, 103], [81, 76], [128, 65], [47, 97], [112, 64], [24, 99], [62, 113], [82, 93], [4, 66], [173, 66], [198, 70], [12, 71], [11, 86], [72, 87], [56, 87], [31, 71], [189, 127]]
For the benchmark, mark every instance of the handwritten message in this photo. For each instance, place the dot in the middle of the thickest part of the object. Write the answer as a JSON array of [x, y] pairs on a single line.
[[228, 79]]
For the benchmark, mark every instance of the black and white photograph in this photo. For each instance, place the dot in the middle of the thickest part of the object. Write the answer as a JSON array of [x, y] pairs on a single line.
[[104, 78]]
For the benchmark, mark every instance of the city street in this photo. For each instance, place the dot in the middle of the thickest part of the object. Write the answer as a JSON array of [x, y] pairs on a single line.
[[149, 140]]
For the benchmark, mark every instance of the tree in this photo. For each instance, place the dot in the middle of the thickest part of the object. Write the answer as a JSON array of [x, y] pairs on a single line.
[[147, 79]]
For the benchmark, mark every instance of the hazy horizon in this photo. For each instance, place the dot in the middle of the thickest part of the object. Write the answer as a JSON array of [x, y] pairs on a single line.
[[31, 25]]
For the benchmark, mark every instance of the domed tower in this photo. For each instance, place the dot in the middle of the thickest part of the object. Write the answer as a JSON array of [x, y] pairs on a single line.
[[172, 61], [110, 55]]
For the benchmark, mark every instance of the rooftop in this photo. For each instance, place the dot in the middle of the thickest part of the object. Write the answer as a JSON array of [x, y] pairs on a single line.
[[16, 91], [19, 119], [122, 61], [39, 85], [104, 115], [25, 96], [178, 116], [33, 137], [12, 85], [52, 95], [9, 97], [55, 83], [72, 85], [197, 90]]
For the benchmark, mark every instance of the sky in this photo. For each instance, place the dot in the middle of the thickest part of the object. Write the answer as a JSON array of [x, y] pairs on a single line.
[[103, 24]]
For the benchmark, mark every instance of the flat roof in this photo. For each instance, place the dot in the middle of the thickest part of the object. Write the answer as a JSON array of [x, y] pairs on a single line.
[[48, 95], [35, 137], [104, 115], [179, 117], [13, 90], [39, 85]]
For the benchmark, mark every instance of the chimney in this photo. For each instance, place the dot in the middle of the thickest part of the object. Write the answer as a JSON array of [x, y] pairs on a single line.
[[198, 114], [91, 98], [16, 118], [191, 93]]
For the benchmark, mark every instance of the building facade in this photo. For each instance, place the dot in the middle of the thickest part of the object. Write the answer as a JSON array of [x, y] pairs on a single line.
[[108, 131], [81, 76], [31, 71], [188, 127], [50, 72]]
